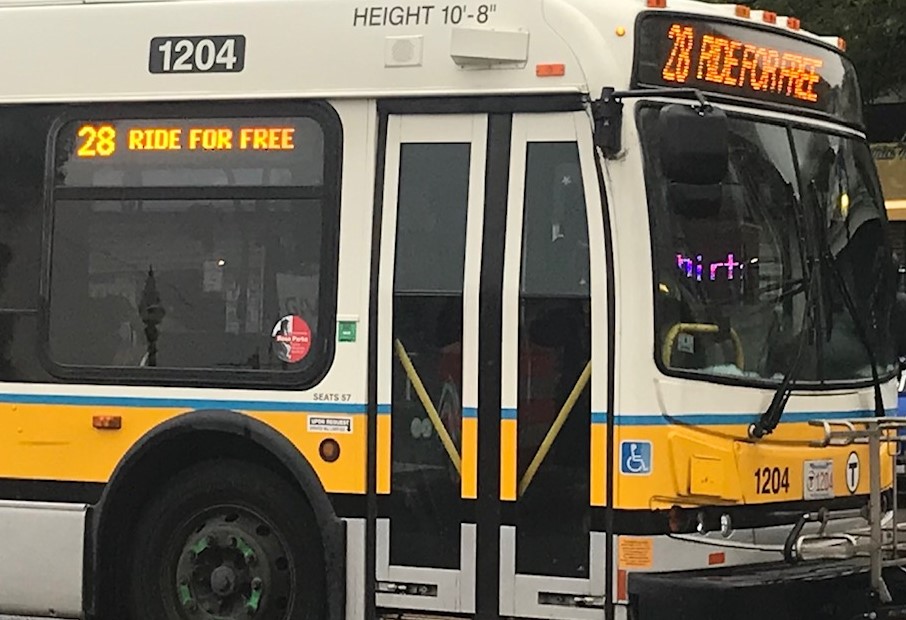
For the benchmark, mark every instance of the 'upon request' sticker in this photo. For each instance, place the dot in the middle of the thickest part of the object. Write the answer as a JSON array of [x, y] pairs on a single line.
[[321, 424], [292, 336]]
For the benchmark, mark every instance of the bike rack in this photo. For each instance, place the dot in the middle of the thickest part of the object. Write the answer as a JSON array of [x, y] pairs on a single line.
[[879, 541]]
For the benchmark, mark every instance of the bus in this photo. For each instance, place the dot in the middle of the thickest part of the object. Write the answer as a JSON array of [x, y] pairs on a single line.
[[491, 309]]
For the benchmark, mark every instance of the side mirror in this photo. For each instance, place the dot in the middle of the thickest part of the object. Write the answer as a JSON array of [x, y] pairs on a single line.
[[695, 145]]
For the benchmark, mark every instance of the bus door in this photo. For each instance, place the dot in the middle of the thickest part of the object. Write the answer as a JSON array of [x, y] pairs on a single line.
[[428, 316], [553, 443], [488, 270]]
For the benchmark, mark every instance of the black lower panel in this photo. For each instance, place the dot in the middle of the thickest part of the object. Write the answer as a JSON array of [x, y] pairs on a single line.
[[68, 491], [808, 591]]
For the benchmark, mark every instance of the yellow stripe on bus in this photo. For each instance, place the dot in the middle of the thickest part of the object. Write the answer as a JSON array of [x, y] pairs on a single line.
[[58, 442], [508, 451], [469, 457], [598, 486], [384, 428]]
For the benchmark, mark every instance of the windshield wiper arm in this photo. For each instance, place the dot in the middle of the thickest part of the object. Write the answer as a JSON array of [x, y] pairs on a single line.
[[769, 420], [834, 267], [814, 304], [827, 258]]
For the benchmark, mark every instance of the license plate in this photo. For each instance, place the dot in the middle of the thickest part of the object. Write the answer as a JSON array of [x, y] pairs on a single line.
[[818, 479]]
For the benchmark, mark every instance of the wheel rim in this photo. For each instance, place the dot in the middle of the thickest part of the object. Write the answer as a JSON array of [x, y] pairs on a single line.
[[233, 564]]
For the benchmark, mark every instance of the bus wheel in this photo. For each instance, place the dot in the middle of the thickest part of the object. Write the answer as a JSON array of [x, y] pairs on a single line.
[[227, 540]]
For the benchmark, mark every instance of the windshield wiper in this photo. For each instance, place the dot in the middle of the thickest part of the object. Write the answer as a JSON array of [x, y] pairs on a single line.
[[811, 284], [826, 257], [769, 420], [829, 259]]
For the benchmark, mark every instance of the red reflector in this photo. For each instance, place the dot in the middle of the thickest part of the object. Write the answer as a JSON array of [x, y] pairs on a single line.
[[621, 586], [716, 558], [107, 422], [550, 70]]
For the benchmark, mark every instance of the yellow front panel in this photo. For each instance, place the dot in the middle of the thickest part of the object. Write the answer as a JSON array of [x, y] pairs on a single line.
[[710, 464]]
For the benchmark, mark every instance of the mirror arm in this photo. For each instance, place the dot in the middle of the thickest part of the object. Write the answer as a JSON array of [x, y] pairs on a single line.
[[608, 113]]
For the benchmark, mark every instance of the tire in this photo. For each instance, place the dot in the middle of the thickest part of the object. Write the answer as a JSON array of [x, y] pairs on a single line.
[[222, 538]]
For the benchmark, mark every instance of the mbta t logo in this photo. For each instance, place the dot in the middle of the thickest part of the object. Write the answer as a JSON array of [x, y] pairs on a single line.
[[852, 472]]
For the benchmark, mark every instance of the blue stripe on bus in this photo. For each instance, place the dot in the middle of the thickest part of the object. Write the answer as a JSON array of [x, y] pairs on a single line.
[[716, 419], [703, 419]]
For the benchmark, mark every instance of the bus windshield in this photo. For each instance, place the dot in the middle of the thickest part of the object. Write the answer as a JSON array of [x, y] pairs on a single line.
[[732, 282]]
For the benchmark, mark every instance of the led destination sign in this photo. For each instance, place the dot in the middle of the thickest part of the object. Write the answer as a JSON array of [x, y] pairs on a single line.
[[232, 151], [103, 140], [730, 62], [682, 52]]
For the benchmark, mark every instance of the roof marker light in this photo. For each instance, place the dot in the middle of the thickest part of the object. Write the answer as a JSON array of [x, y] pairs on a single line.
[[793, 23], [552, 69], [743, 11], [621, 31], [769, 17], [841, 43], [657, 4]]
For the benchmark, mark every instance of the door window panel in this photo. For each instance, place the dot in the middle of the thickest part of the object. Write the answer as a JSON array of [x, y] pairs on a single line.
[[554, 349], [427, 329]]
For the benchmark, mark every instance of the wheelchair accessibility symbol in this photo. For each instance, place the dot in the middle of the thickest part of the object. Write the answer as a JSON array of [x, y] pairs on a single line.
[[635, 457]]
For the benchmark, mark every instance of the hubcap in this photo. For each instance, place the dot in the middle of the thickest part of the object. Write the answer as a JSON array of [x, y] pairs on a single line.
[[223, 580], [233, 565]]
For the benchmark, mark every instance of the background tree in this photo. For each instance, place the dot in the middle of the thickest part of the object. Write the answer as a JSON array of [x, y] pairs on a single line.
[[875, 33]]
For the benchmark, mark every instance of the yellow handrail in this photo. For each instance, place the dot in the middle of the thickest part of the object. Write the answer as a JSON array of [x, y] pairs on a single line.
[[554, 430], [701, 328], [422, 393]]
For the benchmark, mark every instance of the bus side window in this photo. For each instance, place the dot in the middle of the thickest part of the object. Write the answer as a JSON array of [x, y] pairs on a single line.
[[23, 139], [220, 262]]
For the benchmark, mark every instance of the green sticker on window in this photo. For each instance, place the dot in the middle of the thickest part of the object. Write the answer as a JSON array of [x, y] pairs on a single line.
[[346, 331]]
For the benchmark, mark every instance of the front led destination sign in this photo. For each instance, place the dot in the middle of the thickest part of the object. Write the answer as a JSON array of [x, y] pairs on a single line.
[[741, 65], [678, 51]]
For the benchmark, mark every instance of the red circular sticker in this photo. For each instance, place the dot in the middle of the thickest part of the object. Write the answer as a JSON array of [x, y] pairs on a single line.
[[293, 337]]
